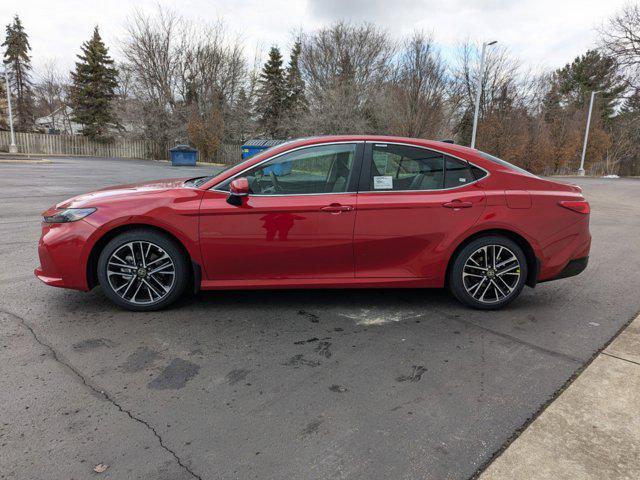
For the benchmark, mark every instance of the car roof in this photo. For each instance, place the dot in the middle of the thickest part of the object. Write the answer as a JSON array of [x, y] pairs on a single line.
[[379, 138]]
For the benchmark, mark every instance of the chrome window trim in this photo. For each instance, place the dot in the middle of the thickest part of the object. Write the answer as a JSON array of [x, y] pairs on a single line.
[[432, 150], [359, 191], [230, 179]]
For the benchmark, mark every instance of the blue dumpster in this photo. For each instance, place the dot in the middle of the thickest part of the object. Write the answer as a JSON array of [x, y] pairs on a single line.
[[254, 146], [183, 155]]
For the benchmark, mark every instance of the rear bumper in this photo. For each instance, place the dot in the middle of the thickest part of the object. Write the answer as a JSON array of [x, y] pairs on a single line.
[[573, 268]]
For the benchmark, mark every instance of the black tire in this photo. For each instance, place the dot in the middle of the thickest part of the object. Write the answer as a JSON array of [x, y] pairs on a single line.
[[156, 243], [464, 287]]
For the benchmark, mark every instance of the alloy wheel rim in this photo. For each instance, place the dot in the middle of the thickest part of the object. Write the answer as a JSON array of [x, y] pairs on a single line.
[[491, 274], [141, 272]]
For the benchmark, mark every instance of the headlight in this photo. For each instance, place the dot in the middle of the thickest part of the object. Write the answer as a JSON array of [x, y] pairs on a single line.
[[68, 215]]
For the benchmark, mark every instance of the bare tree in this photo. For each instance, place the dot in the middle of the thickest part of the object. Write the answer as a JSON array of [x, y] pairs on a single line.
[[416, 103], [345, 68], [620, 39], [182, 72], [51, 95]]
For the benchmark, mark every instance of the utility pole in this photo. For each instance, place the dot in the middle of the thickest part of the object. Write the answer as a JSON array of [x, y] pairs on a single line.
[[586, 134], [13, 148], [479, 92]]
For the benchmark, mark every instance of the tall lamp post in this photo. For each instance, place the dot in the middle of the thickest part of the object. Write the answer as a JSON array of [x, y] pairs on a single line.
[[479, 92], [586, 133], [13, 148]]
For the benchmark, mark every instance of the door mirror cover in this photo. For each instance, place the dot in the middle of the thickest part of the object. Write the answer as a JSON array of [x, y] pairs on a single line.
[[239, 187]]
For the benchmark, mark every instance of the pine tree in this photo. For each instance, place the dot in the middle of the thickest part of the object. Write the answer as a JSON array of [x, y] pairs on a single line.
[[272, 94], [241, 117], [93, 89], [296, 100], [592, 71], [18, 63]]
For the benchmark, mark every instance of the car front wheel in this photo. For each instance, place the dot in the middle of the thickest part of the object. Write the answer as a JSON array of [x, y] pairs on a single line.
[[142, 270], [488, 273]]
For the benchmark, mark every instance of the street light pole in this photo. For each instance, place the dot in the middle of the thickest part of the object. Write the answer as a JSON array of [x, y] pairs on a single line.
[[479, 92], [13, 148], [586, 134]]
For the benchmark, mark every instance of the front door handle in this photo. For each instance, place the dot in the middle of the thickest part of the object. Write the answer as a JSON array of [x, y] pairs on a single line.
[[336, 208], [457, 204]]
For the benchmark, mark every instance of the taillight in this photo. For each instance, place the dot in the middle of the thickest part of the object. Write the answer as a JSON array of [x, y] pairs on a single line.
[[580, 207]]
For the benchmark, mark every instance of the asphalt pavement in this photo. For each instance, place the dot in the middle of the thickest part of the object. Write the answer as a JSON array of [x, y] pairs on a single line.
[[358, 384]]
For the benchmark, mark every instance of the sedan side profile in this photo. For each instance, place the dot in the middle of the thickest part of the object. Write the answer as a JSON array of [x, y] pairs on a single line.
[[324, 212]]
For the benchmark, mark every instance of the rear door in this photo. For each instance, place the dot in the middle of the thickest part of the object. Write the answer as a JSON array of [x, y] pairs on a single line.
[[412, 202]]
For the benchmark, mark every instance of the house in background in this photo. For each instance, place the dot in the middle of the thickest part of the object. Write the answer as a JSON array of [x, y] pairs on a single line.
[[58, 122]]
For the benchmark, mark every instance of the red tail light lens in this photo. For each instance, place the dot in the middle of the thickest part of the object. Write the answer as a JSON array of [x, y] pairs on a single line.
[[580, 207]]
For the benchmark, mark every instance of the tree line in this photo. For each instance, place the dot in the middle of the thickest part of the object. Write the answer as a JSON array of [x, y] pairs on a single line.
[[181, 81]]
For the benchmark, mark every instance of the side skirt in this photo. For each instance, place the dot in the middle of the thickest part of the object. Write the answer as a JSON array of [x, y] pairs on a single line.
[[312, 283]]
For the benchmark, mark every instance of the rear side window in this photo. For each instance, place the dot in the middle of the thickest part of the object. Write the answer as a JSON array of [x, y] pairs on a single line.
[[401, 167], [405, 168]]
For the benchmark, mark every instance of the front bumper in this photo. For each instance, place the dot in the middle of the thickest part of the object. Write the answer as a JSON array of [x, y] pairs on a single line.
[[63, 250]]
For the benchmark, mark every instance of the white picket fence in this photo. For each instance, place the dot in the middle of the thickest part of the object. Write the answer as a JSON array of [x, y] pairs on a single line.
[[44, 144]]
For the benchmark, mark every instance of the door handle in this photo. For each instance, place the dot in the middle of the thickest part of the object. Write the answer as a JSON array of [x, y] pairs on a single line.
[[457, 204], [336, 208]]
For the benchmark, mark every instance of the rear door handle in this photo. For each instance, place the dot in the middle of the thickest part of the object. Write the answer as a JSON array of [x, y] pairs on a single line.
[[457, 204], [336, 208]]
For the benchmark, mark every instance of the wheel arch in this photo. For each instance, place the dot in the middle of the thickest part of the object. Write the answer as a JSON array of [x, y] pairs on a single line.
[[533, 263], [92, 260]]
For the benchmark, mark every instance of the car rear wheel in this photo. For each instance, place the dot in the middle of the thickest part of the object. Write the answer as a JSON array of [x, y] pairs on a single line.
[[142, 270], [488, 273]]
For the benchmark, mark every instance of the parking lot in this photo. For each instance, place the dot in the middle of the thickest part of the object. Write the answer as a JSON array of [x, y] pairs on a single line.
[[362, 384]]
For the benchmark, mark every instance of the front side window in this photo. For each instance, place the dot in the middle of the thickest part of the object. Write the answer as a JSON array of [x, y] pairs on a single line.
[[319, 169]]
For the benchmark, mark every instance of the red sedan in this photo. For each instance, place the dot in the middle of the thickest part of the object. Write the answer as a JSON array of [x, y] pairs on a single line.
[[326, 212]]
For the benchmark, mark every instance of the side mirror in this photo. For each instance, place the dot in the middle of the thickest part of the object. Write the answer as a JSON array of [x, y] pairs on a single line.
[[237, 189]]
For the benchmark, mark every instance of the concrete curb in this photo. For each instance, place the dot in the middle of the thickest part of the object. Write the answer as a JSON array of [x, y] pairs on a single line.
[[24, 161], [591, 430]]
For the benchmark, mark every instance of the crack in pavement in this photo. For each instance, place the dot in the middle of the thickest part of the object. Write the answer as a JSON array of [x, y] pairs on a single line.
[[513, 338], [99, 392]]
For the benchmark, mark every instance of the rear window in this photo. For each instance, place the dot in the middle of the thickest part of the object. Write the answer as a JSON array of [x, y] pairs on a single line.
[[504, 163]]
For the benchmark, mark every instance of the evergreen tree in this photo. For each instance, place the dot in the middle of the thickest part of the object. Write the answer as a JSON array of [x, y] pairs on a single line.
[[18, 62], [93, 89], [272, 94], [592, 71], [241, 117], [296, 100]]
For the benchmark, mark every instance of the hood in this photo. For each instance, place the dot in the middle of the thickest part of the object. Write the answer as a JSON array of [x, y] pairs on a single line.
[[133, 189]]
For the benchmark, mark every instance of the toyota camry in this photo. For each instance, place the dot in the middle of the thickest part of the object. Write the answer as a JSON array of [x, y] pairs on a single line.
[[324, 212]]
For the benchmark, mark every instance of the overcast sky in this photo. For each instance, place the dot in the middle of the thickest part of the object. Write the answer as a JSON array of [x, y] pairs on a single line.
[[542, 33]]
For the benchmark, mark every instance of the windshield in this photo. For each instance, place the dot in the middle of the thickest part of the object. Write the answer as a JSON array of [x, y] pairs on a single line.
[[197, 181], [504, 163]]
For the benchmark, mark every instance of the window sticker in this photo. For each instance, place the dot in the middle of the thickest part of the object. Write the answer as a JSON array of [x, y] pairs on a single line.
[[462, 180], [382, 182]]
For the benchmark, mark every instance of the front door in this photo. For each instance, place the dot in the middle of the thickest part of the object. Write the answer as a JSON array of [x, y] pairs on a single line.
[[297, 222], [412, 202]]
